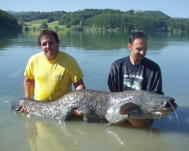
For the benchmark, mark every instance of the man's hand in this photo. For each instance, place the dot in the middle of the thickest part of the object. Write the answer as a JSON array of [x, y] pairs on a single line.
[[79, 85], [24, 110], [78, 113]]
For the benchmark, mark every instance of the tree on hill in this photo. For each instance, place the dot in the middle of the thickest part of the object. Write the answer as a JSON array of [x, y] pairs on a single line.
[[44, 25], [50, 19], [8, 23]]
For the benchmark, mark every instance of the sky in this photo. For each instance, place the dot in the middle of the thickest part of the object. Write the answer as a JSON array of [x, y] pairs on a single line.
[[173, 8]]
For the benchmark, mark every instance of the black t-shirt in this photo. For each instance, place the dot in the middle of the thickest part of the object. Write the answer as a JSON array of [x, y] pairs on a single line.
[[126, 76]]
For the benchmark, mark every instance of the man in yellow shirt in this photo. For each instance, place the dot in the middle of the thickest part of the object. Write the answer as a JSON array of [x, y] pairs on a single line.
[[51, 73]]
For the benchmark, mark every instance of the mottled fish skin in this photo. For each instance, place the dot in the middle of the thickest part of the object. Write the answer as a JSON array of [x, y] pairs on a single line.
[[114, 107]]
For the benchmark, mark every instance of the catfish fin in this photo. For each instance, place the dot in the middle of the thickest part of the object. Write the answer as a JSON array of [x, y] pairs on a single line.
[[128, 108]]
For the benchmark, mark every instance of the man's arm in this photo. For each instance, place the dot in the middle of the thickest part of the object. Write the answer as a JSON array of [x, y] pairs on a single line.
[[157, 83], [112, 79], [79, 85], [28, 90], [29, 85]]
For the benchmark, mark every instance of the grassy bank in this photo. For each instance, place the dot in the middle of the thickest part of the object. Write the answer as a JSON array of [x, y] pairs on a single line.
[[37, 25]]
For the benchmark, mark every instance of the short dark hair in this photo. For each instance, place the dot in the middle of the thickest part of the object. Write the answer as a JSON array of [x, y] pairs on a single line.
[[137, 35], [48, 33]]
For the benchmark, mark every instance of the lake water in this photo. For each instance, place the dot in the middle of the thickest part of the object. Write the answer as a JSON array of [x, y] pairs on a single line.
[[94, 53]]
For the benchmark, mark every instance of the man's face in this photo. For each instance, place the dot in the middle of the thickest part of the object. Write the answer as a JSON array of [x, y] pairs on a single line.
[[138, 50], [49, 46]]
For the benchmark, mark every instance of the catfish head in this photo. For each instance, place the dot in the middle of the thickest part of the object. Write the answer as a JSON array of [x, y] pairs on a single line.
[[24, 102], [153, 105], [142, 105]]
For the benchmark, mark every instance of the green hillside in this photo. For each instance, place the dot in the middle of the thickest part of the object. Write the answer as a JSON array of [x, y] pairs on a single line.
[[8, 23]]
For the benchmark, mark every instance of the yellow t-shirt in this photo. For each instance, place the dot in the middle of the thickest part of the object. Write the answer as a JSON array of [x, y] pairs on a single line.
[[53, 78]]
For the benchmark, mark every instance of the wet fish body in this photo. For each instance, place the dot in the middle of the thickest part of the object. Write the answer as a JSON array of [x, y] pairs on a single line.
[[114, 107]]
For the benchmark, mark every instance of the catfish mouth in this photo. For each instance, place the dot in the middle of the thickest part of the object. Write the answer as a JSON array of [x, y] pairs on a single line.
[[166, 108], [15, 106], [169, 105]]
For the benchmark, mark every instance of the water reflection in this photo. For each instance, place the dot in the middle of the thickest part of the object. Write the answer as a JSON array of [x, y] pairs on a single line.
[[102, 41], [89, 41], [172, 124], [4, 43], [75, 135]]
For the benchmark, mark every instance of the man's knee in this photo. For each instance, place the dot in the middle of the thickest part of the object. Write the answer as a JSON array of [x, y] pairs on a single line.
[[141, 123]]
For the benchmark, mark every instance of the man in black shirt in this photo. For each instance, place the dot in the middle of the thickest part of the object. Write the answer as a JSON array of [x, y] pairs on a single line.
[[135, 72]]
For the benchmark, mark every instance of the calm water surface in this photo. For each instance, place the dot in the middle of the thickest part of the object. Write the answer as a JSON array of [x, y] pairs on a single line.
[[94, 53]]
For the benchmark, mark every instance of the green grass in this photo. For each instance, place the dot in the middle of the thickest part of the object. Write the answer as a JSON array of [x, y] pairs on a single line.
[[34, 22], [52, 24], [35, 25]]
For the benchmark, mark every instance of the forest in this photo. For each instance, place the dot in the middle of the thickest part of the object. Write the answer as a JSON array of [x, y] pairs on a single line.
[[8, 24], [102, 20]]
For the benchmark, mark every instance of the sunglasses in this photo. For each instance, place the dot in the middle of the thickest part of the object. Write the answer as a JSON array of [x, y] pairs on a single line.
[[49, 43]]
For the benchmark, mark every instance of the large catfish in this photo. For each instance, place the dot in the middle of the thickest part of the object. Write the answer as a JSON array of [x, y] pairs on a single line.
[[114, 107]]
